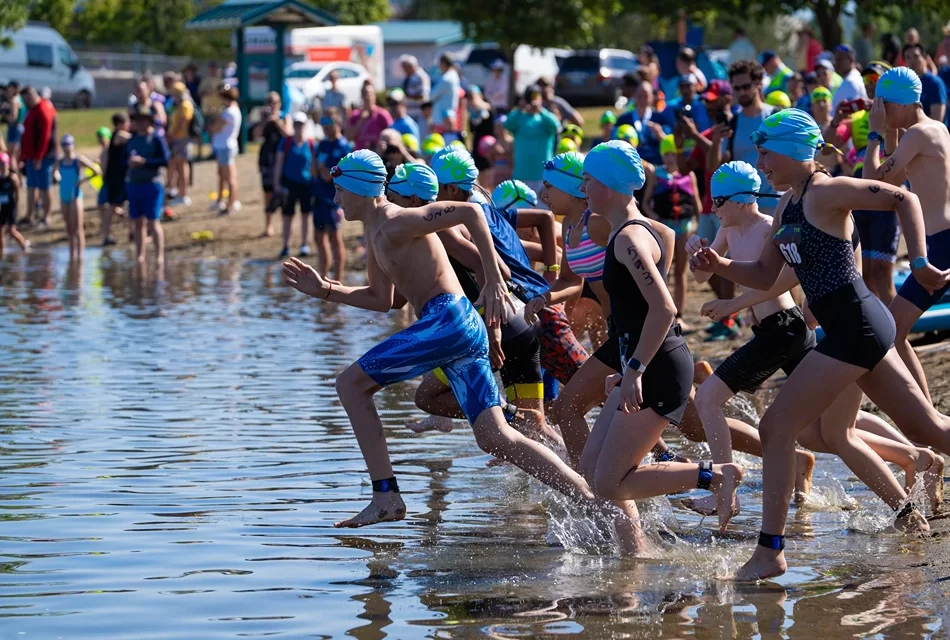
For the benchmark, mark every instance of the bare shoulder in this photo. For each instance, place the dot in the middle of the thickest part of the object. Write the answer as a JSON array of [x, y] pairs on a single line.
[[666, 234]]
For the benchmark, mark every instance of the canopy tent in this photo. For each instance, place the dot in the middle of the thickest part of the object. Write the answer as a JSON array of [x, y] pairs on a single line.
[[279, 15]]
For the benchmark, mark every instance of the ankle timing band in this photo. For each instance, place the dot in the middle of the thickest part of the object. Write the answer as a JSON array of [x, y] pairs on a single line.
[[385, 486], [705, 475], [767, 540]]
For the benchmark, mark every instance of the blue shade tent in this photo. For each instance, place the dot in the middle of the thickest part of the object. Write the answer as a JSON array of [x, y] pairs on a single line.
[[279, 15]]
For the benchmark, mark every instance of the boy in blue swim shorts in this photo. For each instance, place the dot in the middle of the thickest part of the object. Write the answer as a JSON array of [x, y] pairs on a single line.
[[404, 253], [923, 157], [146, 156]]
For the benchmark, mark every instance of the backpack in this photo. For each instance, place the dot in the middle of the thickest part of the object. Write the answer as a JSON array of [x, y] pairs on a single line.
[[196, 127]]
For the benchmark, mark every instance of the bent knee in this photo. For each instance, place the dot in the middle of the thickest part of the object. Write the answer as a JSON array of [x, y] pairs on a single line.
[[606, 486], [353, 382]]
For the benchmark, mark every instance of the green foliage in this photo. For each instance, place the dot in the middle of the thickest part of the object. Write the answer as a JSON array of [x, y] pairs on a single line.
[[355, 11], [539, 23], [13, 14], [58, 13]]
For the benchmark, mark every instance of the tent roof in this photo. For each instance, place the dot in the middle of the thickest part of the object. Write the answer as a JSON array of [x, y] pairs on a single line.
[[235, 14]]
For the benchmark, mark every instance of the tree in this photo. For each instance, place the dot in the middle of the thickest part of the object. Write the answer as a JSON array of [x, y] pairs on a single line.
[[538, 23], [355, 11], [13, 14], [58, 13]]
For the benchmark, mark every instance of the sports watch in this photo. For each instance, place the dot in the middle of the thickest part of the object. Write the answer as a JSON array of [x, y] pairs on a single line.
[[633, 363], [919, 262]]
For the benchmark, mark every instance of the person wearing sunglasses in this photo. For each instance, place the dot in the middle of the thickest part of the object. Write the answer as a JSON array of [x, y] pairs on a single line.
[[404, 254], [731, 139], [923, 157], [812, 235]]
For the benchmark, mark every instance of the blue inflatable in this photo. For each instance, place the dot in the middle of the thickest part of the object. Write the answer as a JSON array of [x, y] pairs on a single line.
[[937, 318]]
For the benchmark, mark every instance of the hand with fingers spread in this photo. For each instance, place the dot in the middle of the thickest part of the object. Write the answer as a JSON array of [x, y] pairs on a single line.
[[706, 259], [631, 391], [497, 302], [305, 279]]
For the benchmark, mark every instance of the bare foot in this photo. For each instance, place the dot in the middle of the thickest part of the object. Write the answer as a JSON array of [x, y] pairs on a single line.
[[701, 371], [705, 506], [432, 423], [914, 523], [531, 423], [726, 480], [764, 564], [632, 540], [804, 468], [268, 232], [385, 507], [931, 464]]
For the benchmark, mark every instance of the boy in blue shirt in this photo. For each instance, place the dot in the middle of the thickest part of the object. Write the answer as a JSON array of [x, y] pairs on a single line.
[[326, 214], [146, 156], [293, 172], [402, 122]]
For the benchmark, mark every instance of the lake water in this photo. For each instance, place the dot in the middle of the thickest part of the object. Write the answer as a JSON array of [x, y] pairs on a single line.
[[172, 457]]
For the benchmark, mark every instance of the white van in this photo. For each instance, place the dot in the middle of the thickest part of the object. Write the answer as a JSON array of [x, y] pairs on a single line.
[[41, 57], [531, 64]]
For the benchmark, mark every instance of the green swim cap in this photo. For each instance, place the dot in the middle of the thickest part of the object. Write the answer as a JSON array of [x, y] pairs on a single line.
[[668, 145], [628, 133], [104, 132], [432, 143], [411, 142], [608, 118], [779, 99], [819, 94], [566, 145]]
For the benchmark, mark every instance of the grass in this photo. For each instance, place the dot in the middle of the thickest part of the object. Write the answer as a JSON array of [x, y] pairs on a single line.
[[82, 124], [592, 120]]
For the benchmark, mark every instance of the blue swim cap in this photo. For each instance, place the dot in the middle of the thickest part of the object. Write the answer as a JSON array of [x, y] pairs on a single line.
[[900, 85], [415, 179], [790, 132], [735, 177], [617, 165], [361, 172], [455, 166], [514, 194], [565, 171]]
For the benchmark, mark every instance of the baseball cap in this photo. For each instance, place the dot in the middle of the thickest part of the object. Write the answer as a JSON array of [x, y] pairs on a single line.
[[498, 64], [689, 78], [299, 117], [717, 89], [766, 56], [68, 141], [825, 64], [844, 48], [396, 95], [532, 92]]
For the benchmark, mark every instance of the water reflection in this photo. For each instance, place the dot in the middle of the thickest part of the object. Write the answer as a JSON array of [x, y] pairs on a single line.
[[172, 457]]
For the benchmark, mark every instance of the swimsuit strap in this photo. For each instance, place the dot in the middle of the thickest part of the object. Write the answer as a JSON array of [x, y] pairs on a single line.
[[807, 184]]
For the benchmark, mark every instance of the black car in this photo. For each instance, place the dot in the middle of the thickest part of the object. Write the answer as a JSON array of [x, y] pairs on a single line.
[[594, 77]]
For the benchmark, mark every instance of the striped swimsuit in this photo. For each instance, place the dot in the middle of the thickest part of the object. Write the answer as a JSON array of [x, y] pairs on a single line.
[[587, 258]]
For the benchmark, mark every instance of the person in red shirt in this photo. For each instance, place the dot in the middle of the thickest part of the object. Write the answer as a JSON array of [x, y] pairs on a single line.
[[38, 150], [367, 123]]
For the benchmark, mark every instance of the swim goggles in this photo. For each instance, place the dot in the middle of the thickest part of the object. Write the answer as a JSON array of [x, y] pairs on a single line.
[[550, 166], [718, 201], [336, 172], [759, 138]]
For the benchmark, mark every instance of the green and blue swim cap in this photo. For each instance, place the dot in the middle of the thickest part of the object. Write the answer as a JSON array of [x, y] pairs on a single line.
[[628, 133], [432, 143], [415, 179], [900, 85], [362, 173], [514, 194], [455, 166], [790, 132], [565, 171], [617, 166], [733, 178]]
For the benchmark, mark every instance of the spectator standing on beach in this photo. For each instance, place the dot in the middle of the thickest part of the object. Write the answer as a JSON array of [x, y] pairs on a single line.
[[558, 105], [14, 117], [271, 131], [416, 86], [38, 151], [179, 142], [445, 101], [852, 84], [535, 132], [334, 98], [496, 88], [366, 124], [224, 143], [741, 48]]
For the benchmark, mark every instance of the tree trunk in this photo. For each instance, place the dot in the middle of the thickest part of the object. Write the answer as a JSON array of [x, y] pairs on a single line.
[[827, 15]]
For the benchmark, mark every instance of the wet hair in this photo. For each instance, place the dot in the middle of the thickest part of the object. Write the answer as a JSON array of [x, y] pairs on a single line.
[[751, 67], [119, 119]]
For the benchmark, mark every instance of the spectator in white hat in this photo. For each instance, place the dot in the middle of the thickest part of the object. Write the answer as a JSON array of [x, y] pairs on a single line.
[[496, 88]]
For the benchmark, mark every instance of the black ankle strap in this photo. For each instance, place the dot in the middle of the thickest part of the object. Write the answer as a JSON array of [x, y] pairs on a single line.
[[769, 541], [385, 486], [666, 456], [705, 475], [905, 511]]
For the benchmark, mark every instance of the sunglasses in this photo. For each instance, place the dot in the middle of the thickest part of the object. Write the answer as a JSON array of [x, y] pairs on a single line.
[[336, 172], [742, 87], [871, 79]]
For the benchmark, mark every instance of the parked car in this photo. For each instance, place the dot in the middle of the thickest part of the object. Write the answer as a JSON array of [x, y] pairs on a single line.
[[40, 57], [594, 76], [531, 64], [311, 78]]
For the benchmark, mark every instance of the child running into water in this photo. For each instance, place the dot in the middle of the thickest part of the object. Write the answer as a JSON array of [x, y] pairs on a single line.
[[146, 156], [72, 173], [403, 252], [674, 201], [9, 197]]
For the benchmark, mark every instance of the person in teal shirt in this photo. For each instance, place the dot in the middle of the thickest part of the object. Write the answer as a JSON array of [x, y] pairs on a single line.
[[535, 131]]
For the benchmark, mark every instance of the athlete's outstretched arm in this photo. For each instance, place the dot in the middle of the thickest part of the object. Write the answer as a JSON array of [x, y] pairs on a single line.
[[377, 296], [543, 221], [759, 274]]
